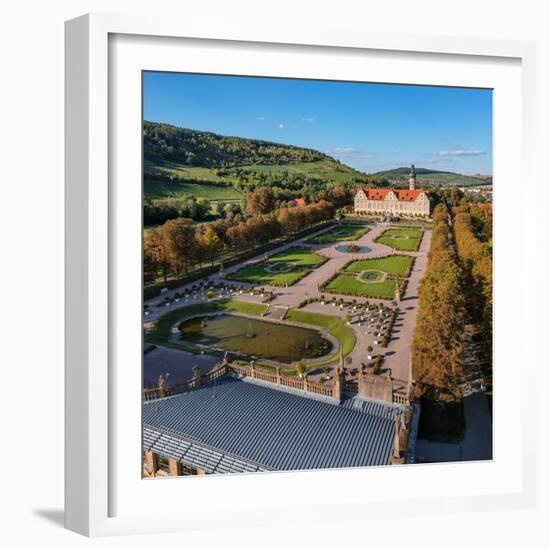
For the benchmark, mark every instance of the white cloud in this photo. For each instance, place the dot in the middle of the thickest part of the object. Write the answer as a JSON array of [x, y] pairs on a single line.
[[342, 151], [280, 125], [461, 153], [308, 119]]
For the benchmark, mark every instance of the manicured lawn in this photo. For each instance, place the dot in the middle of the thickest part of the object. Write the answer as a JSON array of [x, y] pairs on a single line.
[[281, 269], [298, 255], [340, 233], [401, 239], [336, 327], [162, 328], [351, 286], [245, 307], [398, 266]]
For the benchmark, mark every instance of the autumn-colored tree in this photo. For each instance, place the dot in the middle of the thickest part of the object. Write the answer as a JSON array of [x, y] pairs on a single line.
[[178, 245], [438, 336], [209, 242], [155, 252], [437, 350], [178, 237], [476, 259], [260, 201]]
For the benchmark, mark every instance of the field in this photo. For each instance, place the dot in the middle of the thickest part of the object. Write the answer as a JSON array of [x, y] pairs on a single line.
[[326, 169], [165, 189], [282, 269], [335, 326], [401, 239], [340, 233], [397, 266], [218, 183], [350, 285]]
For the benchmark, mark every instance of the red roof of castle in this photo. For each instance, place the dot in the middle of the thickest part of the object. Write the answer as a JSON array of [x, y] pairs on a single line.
[[300, 202], [401, 194]]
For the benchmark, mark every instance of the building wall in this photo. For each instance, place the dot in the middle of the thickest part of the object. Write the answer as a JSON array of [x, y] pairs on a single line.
[[418, 207]]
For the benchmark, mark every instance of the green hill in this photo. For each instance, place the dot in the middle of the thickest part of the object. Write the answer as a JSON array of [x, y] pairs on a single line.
[[180, 162], [424, 175], [164, 142]]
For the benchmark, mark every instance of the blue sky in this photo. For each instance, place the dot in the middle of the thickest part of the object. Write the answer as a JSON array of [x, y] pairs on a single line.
[[371, 127]]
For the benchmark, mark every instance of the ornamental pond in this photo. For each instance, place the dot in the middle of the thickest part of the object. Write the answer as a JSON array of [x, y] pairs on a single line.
[[255, 337], [355, 250]]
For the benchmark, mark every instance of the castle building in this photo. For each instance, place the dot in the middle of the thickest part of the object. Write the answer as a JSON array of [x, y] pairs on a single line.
[[394, 202]]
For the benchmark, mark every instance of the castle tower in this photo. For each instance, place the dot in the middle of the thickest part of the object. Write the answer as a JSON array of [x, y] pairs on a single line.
[[412, 178]]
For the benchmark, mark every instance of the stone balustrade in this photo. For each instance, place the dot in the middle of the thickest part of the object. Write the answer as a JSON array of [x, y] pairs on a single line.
[[369, 385]]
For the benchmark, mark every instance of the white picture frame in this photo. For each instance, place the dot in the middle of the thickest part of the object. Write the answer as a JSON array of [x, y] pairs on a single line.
[[105, 493]]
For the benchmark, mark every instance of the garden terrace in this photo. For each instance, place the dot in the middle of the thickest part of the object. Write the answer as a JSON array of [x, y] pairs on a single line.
[[397, 266], [282, 269], [401, 239]]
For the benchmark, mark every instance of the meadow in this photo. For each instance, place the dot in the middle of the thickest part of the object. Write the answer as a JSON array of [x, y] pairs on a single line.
[[219, 183], [177, 189]]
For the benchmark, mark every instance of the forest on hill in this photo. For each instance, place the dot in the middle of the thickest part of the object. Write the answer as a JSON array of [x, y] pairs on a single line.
[[165, 142]]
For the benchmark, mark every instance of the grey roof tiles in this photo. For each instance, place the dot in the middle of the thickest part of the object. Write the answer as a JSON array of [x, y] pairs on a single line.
[[236, 426]]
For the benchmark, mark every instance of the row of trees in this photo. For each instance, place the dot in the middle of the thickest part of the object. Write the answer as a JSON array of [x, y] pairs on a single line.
[[178, 246], [261, 200], [438, 343], [264, 200], [476, 258]]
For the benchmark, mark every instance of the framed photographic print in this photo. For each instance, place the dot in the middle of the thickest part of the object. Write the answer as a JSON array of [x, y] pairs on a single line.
[[288, 273]]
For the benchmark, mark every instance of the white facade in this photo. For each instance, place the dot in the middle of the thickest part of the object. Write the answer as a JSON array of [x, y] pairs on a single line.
[[392, 202]]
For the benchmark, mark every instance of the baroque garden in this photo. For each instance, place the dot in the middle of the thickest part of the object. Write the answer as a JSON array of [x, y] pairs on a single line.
[[287, 333], [331, 315]]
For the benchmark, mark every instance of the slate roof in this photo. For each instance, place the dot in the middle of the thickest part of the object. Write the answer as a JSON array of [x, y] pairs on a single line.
[[196, 454], [237, 425]]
